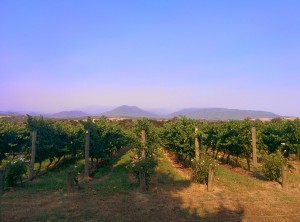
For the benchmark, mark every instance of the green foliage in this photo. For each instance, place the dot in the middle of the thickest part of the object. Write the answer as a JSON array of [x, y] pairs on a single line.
[[201, 167], [234, 137], [14, 138], [106, 137], [14, 171], [272, 165], [283, 135], [147, 165], [178, 136], [56, 139], [59, 140], [272, 136], [152, 137]]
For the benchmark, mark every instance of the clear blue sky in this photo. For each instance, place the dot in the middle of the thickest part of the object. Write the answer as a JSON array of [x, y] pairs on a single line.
[[61, 55]]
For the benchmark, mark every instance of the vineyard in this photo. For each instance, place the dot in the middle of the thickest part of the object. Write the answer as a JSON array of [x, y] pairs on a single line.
[[147, 170]]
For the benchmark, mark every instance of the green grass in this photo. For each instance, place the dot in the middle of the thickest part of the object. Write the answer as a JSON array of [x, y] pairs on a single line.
[[234, 181], [118, 178], [55, 179], [49, 181], [107, 168], [102, 171], [166, 172]]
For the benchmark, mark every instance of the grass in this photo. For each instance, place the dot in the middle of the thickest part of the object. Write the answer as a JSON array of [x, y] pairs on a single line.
[[54, 179], [234, 181], [51, 181], [293, 179], [107, 168], [166, 172], [118, 177], [113, 196]]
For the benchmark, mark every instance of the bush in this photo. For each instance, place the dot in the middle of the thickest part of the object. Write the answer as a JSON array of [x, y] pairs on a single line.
[[201, 167], [272, 165], [147, 165], [14, 171]]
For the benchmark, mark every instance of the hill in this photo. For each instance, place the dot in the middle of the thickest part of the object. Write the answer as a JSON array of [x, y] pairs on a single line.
[[129, 111], [9, 113], [136, 112], [222, 114], [95, 109], [68, 114]]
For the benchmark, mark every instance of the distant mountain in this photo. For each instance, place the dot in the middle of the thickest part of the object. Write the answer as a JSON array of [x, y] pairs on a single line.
[[136, 112], [128, 111], [31, 113], [19, 113], [95, 109], [68, 114], [221, 114], [7, 113]]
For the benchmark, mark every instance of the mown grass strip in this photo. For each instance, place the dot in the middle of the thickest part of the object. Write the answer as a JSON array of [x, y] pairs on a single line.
[[117, 181]]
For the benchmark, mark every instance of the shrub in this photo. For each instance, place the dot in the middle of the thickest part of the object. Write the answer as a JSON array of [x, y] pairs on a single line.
[[147, 165], [272, 165], [14, 171], [201, 167]]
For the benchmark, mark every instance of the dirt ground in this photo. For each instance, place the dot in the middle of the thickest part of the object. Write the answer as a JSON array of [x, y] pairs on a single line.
[[236, 197]]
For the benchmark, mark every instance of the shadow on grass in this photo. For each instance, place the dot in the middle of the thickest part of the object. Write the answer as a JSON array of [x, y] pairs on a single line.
[[253, 173], [115, 196], [114, 177], [164, 201], [182, 202]]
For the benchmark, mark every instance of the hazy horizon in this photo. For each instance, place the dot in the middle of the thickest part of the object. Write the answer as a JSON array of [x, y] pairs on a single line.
[[67, 55], [89, 110]]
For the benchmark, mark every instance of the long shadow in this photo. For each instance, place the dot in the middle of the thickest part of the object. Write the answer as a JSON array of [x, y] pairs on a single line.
[[164, 200], [256, 174], [116, 198], [206, 207]]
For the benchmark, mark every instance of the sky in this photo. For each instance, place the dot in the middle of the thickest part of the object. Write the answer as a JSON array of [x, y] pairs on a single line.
[[169, 54]]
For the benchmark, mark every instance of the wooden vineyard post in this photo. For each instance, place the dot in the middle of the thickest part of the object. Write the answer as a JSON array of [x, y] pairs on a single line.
[[284, 177], [87, 154], [142, 174], [211, 175], [143, 138], [253, 132], [33, 152], [197, 146]]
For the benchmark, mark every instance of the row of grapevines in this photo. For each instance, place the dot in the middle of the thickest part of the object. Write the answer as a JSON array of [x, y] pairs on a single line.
[[231, 137], [57, 139]]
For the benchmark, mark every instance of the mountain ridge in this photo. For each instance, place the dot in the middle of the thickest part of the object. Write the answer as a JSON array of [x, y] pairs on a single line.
[[68, 114], [222, 114], [193, 113], [129, 111]]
